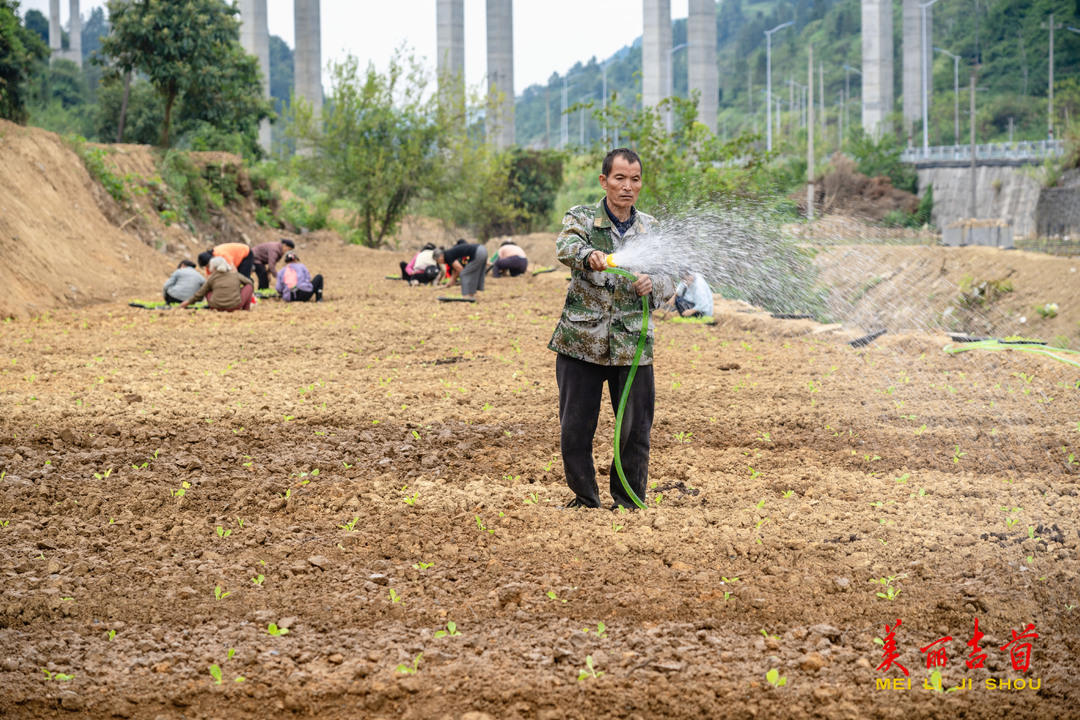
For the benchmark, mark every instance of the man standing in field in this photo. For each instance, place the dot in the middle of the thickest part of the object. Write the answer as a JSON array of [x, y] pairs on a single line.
[[598, 333]]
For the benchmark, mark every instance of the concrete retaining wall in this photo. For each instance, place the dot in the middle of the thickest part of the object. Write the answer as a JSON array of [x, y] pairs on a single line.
[[1000, 192]]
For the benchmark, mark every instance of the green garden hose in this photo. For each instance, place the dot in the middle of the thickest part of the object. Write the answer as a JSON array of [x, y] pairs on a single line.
[[626, 387], [996, 345]]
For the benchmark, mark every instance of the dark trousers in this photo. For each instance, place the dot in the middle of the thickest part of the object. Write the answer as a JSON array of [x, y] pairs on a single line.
[[315, 292], [171, 300], [513, 266], [263, 274], [682, 305], [581, 389], [425, 276], [244, 268]]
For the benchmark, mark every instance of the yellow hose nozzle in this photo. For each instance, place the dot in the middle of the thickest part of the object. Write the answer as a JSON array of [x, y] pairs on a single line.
[[610, 260]]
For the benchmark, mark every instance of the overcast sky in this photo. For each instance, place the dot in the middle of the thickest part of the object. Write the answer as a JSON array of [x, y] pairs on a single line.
[[549, 35]]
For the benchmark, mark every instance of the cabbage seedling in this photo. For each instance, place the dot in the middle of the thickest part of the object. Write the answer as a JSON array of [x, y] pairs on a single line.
[[421, 565], [451, 630], [103, 476], [222, 532], [409, 670], [274, 630], [60, 677], [219, 594], [394, 597], [350, 525], [181, 490], [258, 579], [483, 528], [532, 499], [589, 671], [112, 634], [774, 678]]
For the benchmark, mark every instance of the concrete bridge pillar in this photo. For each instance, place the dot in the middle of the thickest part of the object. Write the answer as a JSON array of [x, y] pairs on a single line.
[[450, 22], [500, 75], [877, 65], [656, 52], [255, 39], [701, 33], [75, 33], [307, 62], [55, 34]]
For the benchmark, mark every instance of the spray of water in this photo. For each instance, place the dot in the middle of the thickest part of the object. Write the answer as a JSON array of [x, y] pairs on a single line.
[[742, 252]]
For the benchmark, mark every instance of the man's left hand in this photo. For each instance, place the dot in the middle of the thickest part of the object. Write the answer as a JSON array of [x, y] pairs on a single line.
[[643, 285]]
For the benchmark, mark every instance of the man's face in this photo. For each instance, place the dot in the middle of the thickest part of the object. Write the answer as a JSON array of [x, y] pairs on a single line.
[[622, 184]]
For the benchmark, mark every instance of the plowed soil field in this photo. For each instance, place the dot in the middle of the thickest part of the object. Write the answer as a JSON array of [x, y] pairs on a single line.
[[366, 471]]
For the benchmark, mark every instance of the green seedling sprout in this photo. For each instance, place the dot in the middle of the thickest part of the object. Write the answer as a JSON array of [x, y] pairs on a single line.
[[182, 489], [347, 465], [615, 527], [59, 677], [601, 630], [4, 523], [215, 672], [552, 596], [409, 670], [274, 630], [590, 670], [532, 499], [350, 525], [222, 532], [788, 493], [451, 631], [395, 598], [411, 499], [219, 594], [684, 437], [258, 579], [103, 476], [421, 565], [957, 454], [416, 435], [753, 473], [112, 634], [482, 527], [774, 678]]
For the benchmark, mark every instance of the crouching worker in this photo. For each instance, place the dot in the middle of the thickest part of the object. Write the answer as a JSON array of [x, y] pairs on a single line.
[[294, 282], [225, 289], [422, 269], [693, 296], [183, 283], [510, 259]]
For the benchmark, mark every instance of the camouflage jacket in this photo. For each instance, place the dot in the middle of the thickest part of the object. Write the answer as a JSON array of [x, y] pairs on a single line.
[[601, 319]]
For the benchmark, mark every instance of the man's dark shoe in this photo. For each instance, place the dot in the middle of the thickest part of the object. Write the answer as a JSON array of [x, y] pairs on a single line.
[[575, 503]]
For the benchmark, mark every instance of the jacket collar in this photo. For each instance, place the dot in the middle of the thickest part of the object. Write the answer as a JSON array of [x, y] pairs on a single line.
[[601, 219]]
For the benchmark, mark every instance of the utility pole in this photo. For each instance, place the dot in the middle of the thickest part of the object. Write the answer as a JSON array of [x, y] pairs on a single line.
[[1050, 106], [821, 91], [971, 209], [925, 56], [956, 93], [768, 81], [810, 134], [847, 90]]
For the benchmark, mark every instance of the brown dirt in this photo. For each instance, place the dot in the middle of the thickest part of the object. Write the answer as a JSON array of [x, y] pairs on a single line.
[[904, 287], [847, 191], [894, 460]]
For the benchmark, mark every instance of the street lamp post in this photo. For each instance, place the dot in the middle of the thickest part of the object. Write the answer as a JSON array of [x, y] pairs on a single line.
[[956, 93], [925, 77], [671, 80], [768, 81], [603, 72]]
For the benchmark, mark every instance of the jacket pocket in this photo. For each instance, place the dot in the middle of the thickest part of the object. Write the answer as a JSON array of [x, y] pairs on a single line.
[[583, 315]]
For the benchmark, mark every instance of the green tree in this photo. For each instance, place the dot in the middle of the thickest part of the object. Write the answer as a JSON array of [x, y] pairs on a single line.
[[376, 145], [20, 48], [190, 52], [36, 21]]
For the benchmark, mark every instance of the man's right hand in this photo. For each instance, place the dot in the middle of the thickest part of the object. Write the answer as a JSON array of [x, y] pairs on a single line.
[[597, 261]]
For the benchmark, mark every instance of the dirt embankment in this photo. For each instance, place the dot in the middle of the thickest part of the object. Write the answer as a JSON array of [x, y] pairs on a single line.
[[974, 289], [66, 241]]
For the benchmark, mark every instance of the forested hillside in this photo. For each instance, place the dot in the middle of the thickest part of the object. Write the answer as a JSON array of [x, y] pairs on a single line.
[[1005, 36]]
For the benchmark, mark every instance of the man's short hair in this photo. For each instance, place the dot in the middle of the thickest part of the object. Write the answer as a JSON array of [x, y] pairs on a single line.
[[185, 263], [205, 257], [288, 243], [625, 153]]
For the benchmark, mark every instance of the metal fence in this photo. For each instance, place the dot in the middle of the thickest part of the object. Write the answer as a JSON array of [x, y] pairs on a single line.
[[1028, 150]]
